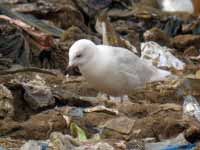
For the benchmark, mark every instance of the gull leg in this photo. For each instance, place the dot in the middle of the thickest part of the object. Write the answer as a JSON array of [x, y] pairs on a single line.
[[108, 97], [121, 99]]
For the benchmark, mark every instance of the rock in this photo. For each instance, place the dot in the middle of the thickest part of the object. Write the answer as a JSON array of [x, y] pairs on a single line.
[[37, 94], [6, 102], [184, 41]]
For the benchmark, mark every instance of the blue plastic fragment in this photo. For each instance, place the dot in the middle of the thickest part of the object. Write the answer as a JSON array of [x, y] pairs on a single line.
[[76, 112], [180, 147], [2, 148], [44, 146]]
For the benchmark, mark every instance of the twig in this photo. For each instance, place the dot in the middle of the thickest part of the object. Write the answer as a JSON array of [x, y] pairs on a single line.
[[28, 69]]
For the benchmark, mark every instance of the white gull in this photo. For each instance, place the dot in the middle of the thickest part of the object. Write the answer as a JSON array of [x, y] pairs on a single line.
[[113, 70]]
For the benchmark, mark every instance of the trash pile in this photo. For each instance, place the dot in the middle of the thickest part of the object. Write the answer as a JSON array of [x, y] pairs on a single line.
[[44, 105]]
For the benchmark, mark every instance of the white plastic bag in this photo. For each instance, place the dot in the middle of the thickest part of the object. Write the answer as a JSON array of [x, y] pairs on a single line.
[[191, 107]]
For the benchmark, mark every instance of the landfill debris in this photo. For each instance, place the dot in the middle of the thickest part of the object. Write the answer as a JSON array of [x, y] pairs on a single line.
[[62, 142], [77, 132], [101, 108], [182, 42], [25, 21], [10, 143], [6, 102], [191, 107], [160, 56], [182, 147], [66, 142], [122, 125], [179, 140], [76, 112], [175, 6], [110, 37], [40, 97], [34, 145], [98, 146], [157, 35], [38, 94]]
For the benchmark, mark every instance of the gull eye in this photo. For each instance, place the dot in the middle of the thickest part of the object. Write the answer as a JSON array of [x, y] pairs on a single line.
[[78, 56]]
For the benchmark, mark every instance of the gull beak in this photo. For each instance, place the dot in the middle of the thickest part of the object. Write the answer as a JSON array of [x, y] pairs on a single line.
[[71, 64]]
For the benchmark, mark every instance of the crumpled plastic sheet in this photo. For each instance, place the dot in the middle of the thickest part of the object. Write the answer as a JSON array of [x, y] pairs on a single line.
[[153, 52]]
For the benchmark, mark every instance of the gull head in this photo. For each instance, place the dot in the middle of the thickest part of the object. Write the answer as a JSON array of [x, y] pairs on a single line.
[[81, 52]]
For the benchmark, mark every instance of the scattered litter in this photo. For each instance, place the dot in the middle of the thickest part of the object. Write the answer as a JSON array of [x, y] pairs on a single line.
[[76, 112], [77, 132], [38, 102], [101, 108], [58, 141], [6, 102], [34, 145], [109, 35], [179, 140], [97, 146], [191, 107], [160, 56], [180, 147], [38, 94], [122, 125], [67, 119]]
